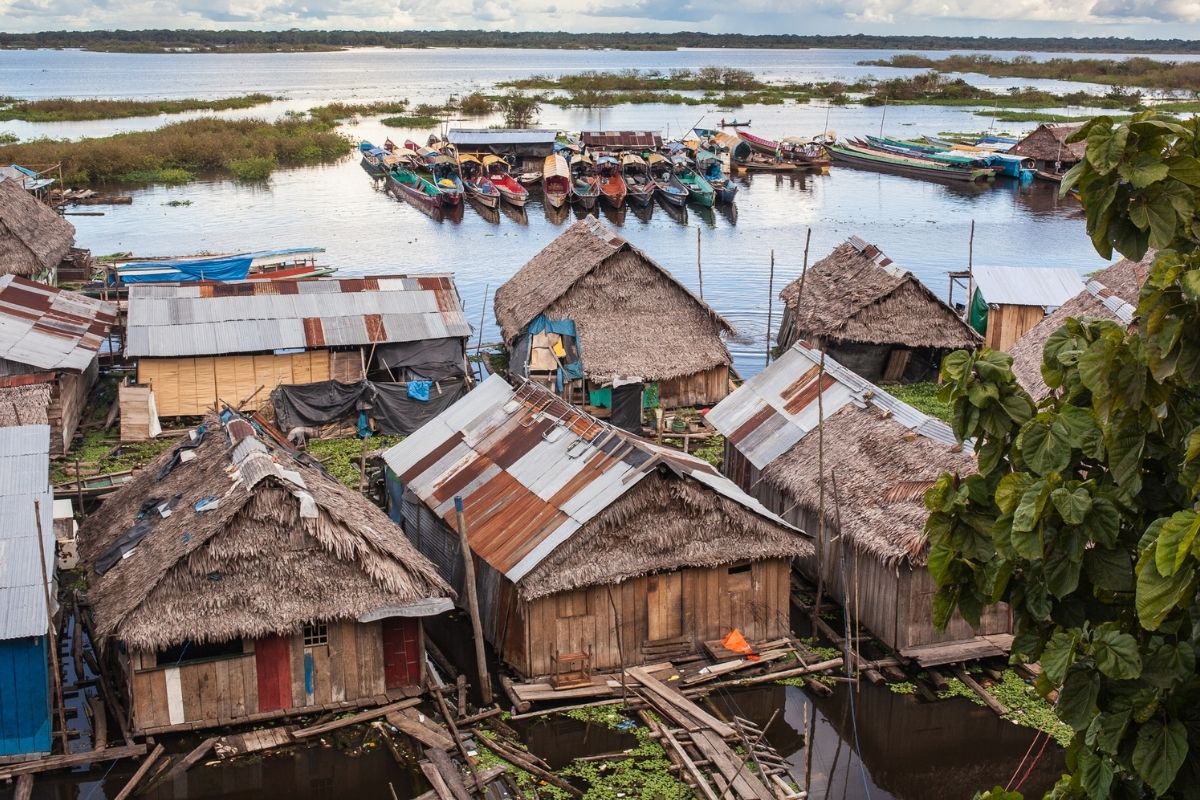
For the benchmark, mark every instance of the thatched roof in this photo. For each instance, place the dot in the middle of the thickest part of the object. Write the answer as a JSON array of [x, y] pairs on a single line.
[[1049, 143], [25, 399], [32, 237], [286, 545], [857, 294], [632, 317], [1110, 294], [555, 499]]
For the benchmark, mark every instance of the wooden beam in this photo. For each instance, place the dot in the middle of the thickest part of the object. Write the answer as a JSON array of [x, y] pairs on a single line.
[[450, 774], [679, 702], [184, 764], [435, 780], [71, 760], [975, 686], [354, 719], [145, 766], [24, 787]]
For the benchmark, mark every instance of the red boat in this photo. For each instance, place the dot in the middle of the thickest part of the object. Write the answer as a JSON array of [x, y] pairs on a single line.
[[505, 183], [612, 185]]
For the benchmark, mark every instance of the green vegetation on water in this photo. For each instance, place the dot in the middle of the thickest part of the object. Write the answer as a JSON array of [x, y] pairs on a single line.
[[1144, 72], [923, 397], [63, 109], [246, 149], [411, 121]]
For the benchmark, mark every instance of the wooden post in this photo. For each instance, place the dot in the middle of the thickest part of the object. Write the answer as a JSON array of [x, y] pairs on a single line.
[[485, 681], [699, 271], [58, 688], [770, 307], [816, 613], [970, 273]]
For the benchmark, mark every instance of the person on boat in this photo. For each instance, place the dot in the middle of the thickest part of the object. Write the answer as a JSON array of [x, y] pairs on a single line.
[[722, 122]]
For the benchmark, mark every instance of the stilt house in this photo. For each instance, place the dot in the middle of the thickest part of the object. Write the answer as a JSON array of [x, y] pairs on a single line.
[[50, 340], [588, 542], [593, 312], [862, 309], [33, 239], [880, 456], [25, 567], [1110, 294], [1047, 145], [199, 345], [1015, 299], [233, 580]]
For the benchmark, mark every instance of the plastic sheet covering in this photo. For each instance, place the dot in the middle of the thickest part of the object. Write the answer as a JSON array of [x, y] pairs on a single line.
[[311, 405], [233, 268], [627, 407], [570, 365], [431, 359]]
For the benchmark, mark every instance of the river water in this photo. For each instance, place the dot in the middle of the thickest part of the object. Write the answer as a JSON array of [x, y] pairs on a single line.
[[903, 748]]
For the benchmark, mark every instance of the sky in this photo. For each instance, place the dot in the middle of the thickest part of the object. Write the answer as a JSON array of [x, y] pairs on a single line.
[[1136, 18]]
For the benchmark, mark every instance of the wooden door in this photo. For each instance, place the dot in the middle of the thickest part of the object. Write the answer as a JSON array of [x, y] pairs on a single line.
[[273, 663], [664, 606], [401, 652]]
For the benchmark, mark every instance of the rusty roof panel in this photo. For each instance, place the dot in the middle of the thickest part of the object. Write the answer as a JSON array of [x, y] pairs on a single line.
[[49, 328], [778, 407], [531, 470], [254, 316], [622, 140]]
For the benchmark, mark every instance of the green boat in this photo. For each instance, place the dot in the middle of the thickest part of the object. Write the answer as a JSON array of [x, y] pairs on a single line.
[[412, 186], [699, 190]]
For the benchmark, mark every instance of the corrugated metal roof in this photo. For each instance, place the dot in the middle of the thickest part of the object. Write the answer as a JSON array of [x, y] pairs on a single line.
[[1112, 301], [24, 478], [467, 137], [532, 470], [1027, 286], [651, 140], [253, 316], [778, 407], [51, 328]]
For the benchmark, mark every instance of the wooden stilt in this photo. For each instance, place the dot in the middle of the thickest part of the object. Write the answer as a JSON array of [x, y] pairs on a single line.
[[485, 681], [145, 766]]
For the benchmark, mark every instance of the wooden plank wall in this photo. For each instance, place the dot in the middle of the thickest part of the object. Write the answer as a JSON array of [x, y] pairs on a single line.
[[1006, 324], [192, 386], [68, 400], [346, 365], [702, 604], [700, 389], [222, 690]]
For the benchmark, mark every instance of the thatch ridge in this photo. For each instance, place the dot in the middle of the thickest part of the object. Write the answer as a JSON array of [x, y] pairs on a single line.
[[286, 545], [634, 319], [32, 237], [666, 522], [880, 468], [1049, 143], [1124, 279], [855, 294]]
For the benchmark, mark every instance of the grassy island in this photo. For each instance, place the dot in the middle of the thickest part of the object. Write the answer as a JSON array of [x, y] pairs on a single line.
[[62, 109]]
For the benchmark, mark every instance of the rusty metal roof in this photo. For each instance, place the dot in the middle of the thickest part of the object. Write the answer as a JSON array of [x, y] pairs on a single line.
[[255, 316], [640, 140], [778, 407], [532, 470], [24, 478], [49, 328]]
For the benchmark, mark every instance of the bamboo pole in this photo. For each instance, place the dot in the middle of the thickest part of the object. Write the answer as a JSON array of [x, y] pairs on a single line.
[[816, 614], [58, 688], [770, 307], [482, 316], [485, 683], [699, 271]]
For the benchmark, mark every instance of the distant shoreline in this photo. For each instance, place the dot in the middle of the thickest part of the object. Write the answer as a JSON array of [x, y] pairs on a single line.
[[293, 41]]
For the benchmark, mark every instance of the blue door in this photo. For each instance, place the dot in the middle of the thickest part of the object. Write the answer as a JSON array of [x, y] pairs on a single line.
[[24, 696]]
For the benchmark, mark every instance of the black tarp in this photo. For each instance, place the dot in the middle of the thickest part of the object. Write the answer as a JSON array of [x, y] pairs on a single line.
[[431, 359], [310, 405], [627, 407]]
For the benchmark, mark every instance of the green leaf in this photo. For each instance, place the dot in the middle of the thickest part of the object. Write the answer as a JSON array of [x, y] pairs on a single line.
[[1190, 283], [1058, 656], [1077, 700], [1125, 442], [1157, 594], [1110, 570], [941, 556], [1169, 664], [1045, 448], [1185, 169], [1145, 169], [1116, 654], [955, 365], [1072, 505], [1175, 539], [1106, 731], [1010, 490], [1104, 522], [1095, 775], [1159, 753], [1033, 502], [1064, 559], [1106, 146], [1163, 221]]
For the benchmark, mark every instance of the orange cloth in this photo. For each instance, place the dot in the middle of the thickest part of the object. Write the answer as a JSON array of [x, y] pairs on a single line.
[[737, 643]]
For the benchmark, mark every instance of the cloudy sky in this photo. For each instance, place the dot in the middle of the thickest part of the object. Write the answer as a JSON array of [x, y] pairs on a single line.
[[1138, 18]]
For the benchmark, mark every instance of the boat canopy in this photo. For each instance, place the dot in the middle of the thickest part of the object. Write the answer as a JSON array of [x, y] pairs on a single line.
[[582, 158], [633, 158], [555, 166], [488, 160], [706, 155], [468, 157], [657, 158], [441, 159], [606, 160]]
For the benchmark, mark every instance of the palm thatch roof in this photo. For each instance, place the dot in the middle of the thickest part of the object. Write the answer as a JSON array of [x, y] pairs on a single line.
[[281, 544], [1049, 143], [881, 469], [25, 399], [1110, 294], [632, 317], [857, 294], [33, 238]]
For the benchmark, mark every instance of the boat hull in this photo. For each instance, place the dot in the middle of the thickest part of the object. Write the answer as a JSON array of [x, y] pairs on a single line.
[[675, 198], [852, 159], [640, 197], [374, 169], [588, 201], [412, 193], [488, 199], [555, 199]]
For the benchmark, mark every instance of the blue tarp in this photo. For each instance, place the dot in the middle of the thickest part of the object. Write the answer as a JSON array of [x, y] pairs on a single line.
[[184, 270], [570, 370]]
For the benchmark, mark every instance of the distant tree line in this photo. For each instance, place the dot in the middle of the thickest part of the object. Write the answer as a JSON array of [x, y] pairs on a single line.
[[300, 40]]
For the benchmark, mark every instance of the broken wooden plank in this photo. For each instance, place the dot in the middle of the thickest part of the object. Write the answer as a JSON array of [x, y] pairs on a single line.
[[733, 767], [676, 699], [435, 780], [711, 673], [974, 685], [353, 719], [823, 666], [71, 760], [702, 784], [450, 774], [182, 765], [413, 724], [142, 769]]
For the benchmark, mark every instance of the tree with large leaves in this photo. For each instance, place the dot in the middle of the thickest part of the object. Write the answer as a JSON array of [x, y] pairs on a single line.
[[1083, 516]]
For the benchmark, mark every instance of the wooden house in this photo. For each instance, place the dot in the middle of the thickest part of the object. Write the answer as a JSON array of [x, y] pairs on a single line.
[[33, 239], [592, 312], [1015, 299], [199, 345], [26, 565], [880, 456], [233, 580], [862, 309], [1048, 147], [1110, 294], [50, 340], [587, 540]]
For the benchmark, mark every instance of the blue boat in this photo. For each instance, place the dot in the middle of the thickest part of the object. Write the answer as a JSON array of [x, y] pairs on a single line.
[[372, 159], [709, 164]]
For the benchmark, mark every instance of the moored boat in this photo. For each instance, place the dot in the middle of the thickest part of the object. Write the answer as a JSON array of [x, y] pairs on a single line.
[[497, 171], [666, 185], [403, 181], [711, 169], [732, 123], [612, 185], [639, 186], [475, 182], [698, 189], [372, 159], [760, 144], [909, 166], [556, 181], [442, 171], [584, 181]]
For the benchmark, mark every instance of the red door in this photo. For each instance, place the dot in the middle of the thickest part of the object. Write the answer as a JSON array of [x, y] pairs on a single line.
[[401, 652], [272, 661]]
